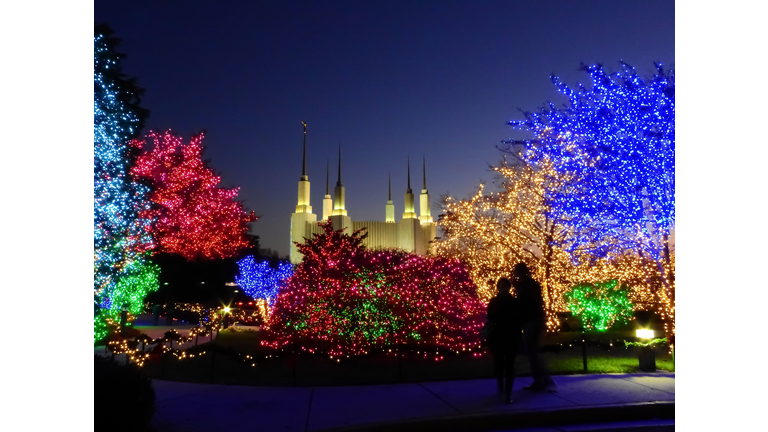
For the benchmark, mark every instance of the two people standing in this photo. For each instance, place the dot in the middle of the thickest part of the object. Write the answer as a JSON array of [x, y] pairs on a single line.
[[513, 319]]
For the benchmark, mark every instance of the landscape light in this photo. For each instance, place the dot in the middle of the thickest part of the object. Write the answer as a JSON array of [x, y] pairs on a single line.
[[644, 333]]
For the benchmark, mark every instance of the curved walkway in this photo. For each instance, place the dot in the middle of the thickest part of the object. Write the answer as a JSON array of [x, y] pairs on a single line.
[[469, 405]]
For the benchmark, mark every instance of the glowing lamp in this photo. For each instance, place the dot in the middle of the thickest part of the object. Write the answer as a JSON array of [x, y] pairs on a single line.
[[226, 309], [646, 357], [644, 333]]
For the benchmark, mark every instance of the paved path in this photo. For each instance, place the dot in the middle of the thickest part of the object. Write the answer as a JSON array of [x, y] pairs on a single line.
[[444, 406], [460, 406]]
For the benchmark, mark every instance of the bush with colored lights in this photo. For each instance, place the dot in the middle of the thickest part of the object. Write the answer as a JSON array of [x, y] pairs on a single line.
[[599, 305], [347, 300]]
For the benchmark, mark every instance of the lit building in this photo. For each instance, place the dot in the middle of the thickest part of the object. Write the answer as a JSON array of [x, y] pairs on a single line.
[[413, 233]]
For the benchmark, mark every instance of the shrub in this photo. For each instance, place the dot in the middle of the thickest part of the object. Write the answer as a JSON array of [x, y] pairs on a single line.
[[599, 305], [344, 299], [124, 399]]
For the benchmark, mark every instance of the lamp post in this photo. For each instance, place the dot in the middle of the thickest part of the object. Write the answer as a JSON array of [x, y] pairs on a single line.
[[647, 358], [124, 319], [224, 321]]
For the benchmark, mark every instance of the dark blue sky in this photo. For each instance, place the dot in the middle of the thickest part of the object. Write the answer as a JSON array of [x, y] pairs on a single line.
[[387, 79]]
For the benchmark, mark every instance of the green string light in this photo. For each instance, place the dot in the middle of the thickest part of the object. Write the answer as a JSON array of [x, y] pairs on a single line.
[[600, 305]]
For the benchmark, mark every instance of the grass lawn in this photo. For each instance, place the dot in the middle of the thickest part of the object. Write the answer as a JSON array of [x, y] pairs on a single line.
[[306, 371]]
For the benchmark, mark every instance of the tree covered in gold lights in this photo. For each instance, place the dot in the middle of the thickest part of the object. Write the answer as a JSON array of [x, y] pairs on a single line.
[[492, 231], [616, 133]]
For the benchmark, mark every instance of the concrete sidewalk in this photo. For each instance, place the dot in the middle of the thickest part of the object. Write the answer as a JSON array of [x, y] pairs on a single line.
[[469, 405]]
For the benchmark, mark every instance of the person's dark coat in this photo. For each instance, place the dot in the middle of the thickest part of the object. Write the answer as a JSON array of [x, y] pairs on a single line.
[[530, 298], [506, 319]]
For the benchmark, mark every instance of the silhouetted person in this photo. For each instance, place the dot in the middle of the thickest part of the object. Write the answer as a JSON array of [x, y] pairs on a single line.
[[505, 318], [534, 323]]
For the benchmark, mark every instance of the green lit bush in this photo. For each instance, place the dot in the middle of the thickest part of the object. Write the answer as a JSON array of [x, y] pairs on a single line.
[[599, 305]]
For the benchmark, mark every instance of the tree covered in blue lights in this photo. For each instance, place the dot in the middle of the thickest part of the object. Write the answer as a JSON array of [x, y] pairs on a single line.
[[618, 136], [260, 280], [615, 138], [121, 240]]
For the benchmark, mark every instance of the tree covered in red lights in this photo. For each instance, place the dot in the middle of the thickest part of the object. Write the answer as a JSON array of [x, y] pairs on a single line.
[[345, 299], [194, 217]]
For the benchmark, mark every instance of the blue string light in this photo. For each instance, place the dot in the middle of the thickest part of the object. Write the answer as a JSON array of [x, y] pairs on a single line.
[[616, 138]]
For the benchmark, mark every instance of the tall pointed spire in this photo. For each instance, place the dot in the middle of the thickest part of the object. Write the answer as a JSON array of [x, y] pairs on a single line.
[[327, 201], [302, 205], [303, 217], [389, 209], [339, 195], [409, 213], [338, 183], [426, 213], [304, 159], [409, 175]]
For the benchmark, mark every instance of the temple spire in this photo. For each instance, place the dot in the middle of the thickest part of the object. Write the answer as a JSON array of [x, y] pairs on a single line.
[[302, 204], [339, 195], [327, 201], [409, 175], [409, 213], [426, 213], [338, 183], [304, 159], [389, 211]]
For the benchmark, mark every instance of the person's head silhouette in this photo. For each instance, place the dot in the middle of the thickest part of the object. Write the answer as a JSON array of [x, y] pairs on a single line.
[[521, 270], [503, 286]]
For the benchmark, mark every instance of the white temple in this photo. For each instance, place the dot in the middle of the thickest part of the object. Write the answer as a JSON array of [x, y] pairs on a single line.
[[413, 233]]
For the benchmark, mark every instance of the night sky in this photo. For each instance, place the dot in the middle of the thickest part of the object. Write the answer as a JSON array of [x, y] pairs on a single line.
[[387, 80]]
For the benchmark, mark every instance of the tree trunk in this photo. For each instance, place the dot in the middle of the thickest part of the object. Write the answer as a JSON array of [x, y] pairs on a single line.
[[667, 289], [548, 268]]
